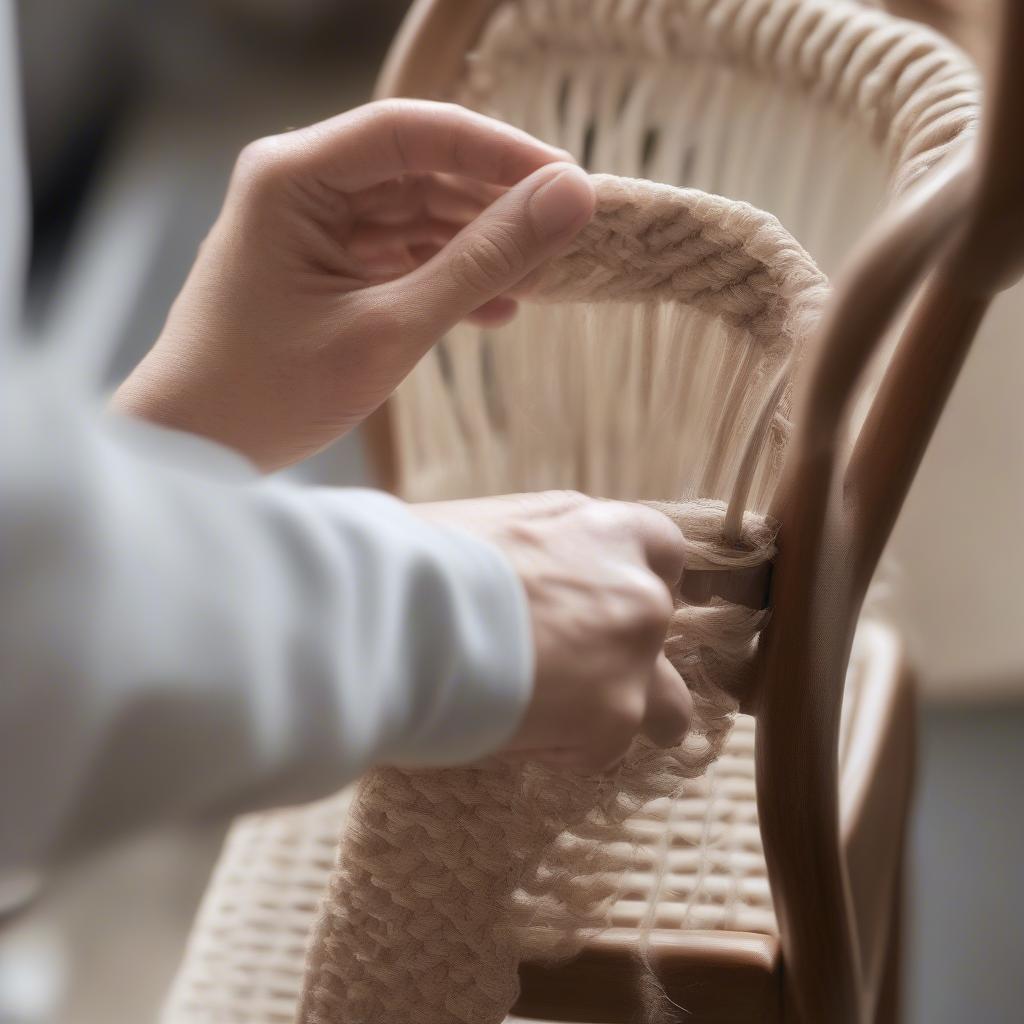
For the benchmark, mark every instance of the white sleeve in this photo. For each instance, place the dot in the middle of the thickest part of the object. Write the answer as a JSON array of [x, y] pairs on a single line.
[[175, 632]]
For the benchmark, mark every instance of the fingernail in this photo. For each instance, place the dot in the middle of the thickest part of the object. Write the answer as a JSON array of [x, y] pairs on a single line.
[[562, 203]]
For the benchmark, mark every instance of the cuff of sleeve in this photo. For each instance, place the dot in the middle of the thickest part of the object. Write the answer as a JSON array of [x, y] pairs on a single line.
[[482, 685], [489, 700], [177, 450]]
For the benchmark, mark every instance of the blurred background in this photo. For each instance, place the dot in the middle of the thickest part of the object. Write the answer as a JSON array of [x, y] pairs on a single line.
[[134, 112]]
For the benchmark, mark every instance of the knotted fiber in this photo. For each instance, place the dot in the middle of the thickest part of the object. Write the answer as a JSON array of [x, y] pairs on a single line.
[[448, 878]]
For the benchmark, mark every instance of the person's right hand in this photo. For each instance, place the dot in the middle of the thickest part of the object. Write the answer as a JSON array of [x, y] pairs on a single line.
[[598, 578]]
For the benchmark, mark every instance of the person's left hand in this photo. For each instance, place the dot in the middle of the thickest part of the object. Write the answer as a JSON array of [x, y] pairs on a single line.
[[343, 252]]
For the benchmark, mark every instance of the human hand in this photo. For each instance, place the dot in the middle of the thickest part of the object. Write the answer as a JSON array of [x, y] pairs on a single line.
[[597, 576], [344, 251]]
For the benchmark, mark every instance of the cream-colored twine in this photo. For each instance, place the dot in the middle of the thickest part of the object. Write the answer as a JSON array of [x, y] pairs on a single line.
[[446, 879]]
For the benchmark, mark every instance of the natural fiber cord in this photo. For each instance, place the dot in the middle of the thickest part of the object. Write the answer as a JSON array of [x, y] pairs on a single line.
[[447, 879]]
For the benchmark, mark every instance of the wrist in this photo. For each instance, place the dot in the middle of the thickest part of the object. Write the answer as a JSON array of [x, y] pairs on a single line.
[[159, 391]]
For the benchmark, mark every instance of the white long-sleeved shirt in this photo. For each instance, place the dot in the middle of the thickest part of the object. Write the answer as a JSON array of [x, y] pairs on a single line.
[[177, 632]]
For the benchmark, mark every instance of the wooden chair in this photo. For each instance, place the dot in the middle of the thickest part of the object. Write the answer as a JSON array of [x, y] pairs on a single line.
[[832, 819], [814, 788]]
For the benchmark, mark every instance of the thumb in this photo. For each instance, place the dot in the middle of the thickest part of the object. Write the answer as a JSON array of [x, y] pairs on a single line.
[[529, 224]]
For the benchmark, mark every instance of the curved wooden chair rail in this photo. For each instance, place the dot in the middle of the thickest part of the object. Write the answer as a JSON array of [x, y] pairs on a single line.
[[963, 235]]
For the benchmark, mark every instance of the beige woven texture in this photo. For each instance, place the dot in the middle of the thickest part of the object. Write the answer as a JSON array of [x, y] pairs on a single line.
[[447, 879], [657, 367]]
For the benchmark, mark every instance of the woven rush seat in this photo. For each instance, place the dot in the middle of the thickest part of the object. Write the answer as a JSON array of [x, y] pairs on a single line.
[[246, 954], [245, 959], [694, 862]]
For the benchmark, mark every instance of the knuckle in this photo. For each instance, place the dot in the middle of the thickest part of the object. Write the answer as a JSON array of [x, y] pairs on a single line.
[[642, 607], [670, 536], [394, 116], [593, 519], [630, 709], [654, 604], [623, 515], [390, 108], [623, 715], [262, 162], [613, 520], [619, 621], [489, 263], [626, 514]]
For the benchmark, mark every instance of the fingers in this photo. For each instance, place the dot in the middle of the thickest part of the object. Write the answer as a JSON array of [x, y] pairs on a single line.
[[594, 574], [382, 140], [608, 744], [658, 705], [666, 721], [495, 313], [368, 240], [662, 543], [411, 197], [669, 706], [527, 225], [389, 252]]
